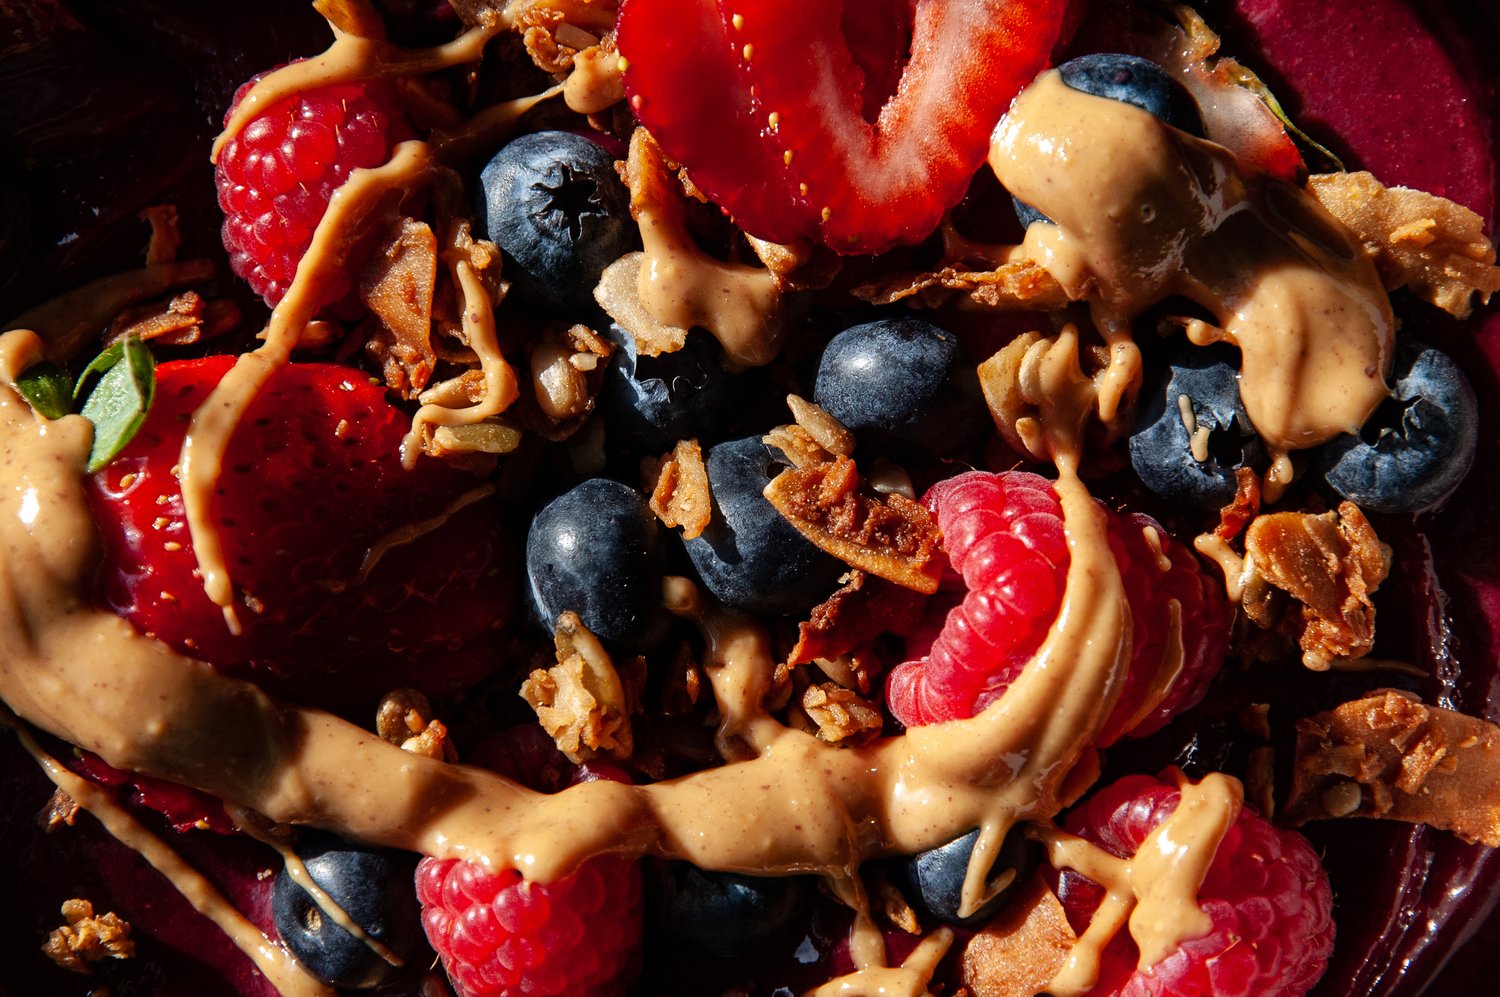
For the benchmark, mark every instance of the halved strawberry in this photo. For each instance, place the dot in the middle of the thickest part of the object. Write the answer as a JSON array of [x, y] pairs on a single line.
[[771, 105]]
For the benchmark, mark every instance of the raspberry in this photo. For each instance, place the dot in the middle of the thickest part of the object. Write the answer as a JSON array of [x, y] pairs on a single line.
[[1008, 560], [1266, 893], [500, 935], [275, 177]]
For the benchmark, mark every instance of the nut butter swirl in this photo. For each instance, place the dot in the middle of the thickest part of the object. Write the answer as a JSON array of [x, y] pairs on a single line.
[[1142, 212]]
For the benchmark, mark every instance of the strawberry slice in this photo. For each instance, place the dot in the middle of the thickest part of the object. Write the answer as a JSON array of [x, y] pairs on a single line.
[[795, 118]]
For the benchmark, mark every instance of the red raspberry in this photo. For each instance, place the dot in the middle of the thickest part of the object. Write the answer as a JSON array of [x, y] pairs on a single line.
[[1266, 893], [500, 935], [275, 177], [1008, 560]]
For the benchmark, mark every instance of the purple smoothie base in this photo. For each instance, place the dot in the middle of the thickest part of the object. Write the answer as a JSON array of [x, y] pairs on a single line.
[[1396, 88]]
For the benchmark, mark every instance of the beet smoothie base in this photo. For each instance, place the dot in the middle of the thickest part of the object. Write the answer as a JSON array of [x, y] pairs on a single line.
[[216, 844]]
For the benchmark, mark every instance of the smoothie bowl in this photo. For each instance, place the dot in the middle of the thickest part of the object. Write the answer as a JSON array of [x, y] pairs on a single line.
[[686, 498]]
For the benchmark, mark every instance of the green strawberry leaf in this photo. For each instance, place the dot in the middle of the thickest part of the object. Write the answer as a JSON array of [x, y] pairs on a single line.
[[48, 389], [120, 400]]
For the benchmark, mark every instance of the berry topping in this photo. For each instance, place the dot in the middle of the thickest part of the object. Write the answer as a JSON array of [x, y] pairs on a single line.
[[275, 177], [935, 878], [767, 104], [649, 403], [501, 936], [750, 557], [553, 203], [1008, 561], [596, 550], [1191, 430], [1418, 446], [904, 386], [371, 888], [728, 915], [312, 486], [1265, 891]]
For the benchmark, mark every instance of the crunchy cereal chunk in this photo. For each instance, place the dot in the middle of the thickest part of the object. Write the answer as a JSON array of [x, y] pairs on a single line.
[[618, 293], [61, 810], [398, 288], [581, 701], [842, 717], [800, 447], [1389, 755], [833, 436], [567, 367], [404, 718], [1330, 563], [892, 903], [1018, 285], [889, 536], [861, 610], [181, 321], [1019, 952], [86, 939], [678, 486], [1418, 240]]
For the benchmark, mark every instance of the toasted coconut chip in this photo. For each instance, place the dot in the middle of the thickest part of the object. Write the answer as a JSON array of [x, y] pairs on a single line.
[[842, 716], [398, 289], [178, 322], [1389, 755], [678, 486], [86, 939], [581, 701], [890, 536], [863, 609], [1020, 951], [1330, 563], [1418, 240], [1020, 285]]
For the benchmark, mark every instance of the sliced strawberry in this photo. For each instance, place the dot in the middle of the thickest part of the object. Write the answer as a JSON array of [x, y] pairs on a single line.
[[768, 106], [312, 482]]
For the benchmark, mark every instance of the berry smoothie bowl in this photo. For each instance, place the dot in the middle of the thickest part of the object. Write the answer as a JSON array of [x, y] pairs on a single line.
[[589, 497]]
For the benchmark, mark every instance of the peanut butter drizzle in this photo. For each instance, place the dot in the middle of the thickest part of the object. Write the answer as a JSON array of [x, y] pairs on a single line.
[[1143, 212], [274, 961], [1156, 889], [910, 979], [216, 419]]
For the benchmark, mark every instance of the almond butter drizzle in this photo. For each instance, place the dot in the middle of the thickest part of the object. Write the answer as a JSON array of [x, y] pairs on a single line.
[[1142, 212]]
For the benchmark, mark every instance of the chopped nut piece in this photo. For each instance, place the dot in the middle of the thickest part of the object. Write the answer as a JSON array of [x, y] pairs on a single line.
[[404, 718], [398, 288], [1329, 563], [1019, 952], [1023, 284], [841, 715], [566, 371], [830, 434], [1418, 240], [1389, 755], [798, 444], [60, 810], [86, 939], [678, 486], [580, 701], [890, 536]]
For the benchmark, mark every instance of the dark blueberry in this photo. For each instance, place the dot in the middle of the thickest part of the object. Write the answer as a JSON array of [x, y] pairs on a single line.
[[936, 877], [1161, 445], [904, 387], [728, 915], [649, 403], [1128, 79], [595, 550], [1417, 446], [553, 203], [372, 887], [751, 558]]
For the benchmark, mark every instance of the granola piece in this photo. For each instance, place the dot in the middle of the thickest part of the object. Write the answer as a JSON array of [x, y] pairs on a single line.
[[800, 447], [892, 903], [1243, 508], [567, 366], [182, 321], [1330, 564], [833, 436], [841, 715], [861, 610], [1019, 952], [1023, 285], [398, 287], [1389, 755], [678, 486], [889, 536], [1020, 384], [581, 701], [684, 683], [61, 810], [404, 718], [1418, 240], [86, 939], [619, 295]]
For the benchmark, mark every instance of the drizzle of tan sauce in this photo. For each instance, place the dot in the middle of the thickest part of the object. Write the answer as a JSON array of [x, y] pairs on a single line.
[[1142, 212], [596, 81]]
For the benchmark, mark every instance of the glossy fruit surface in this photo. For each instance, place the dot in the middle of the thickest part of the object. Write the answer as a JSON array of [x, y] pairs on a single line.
[[729, 915], [935, 878], [649, 403]]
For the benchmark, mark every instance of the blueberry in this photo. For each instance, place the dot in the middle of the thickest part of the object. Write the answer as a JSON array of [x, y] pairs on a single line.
[[1128, 79], [595, 550], [649, 403], [553, 203], [749, 557], [729, 915], [372, 887], [1161, 445], [904, 387], [1417, 446], [936, 877]]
